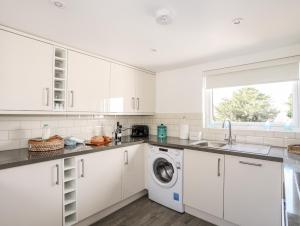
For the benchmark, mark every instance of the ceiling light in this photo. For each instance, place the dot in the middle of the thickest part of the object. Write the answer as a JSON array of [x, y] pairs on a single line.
[[237, 20], [163, 16], [58, 3]]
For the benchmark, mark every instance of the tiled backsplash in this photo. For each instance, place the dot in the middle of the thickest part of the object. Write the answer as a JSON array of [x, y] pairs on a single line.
[[173, 121], [16, 130]]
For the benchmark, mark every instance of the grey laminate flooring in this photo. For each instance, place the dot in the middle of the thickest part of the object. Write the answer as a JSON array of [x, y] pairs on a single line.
[[144, 212]]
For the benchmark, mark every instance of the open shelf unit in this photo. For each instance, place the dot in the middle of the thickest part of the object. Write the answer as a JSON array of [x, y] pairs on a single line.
[[70, 191], [59, 79]]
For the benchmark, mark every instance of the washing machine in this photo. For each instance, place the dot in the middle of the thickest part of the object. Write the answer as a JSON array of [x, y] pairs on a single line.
[[165, 182]]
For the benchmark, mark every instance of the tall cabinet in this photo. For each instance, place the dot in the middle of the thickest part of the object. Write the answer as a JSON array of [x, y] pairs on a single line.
[[25, 73], [31, 195]]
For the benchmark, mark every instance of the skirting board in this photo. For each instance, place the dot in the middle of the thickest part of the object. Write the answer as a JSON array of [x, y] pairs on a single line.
[[207, 217], [98, 216]]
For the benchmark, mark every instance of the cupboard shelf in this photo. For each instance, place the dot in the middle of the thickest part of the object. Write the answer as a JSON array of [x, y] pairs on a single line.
[[69, 179], [69, 202], [59, 69], [70, 212]]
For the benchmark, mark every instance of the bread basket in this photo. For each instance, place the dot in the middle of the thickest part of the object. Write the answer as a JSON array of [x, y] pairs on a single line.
[[53, 143]]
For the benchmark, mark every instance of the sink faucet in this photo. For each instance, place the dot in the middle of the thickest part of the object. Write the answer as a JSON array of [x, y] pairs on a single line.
[[230, 140]]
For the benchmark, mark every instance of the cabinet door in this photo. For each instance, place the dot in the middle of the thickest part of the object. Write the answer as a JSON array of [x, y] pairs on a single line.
[[203, 181], [123, 80], [145, 92], [252, 195], [134, 170], [30, 196], [25, 73], [88, 83], [100, 181]]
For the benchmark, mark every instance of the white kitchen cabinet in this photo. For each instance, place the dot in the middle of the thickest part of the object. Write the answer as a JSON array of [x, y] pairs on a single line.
[[88, 83], [132, 91], [122, 89], [31, 195], [134, 170], [253, 191], [203, 181], [25, 73], [145, 92], [100, 181]]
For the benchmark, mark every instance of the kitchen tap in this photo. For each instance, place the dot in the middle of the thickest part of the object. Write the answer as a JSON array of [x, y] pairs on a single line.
[[230, 140]]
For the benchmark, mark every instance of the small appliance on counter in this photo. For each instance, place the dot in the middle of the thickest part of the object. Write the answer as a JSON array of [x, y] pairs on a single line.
[[161, 131], [139, 131]]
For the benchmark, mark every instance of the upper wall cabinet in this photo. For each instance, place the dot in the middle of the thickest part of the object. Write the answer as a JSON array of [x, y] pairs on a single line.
[[88, 83], [25, 73], [132, 91]]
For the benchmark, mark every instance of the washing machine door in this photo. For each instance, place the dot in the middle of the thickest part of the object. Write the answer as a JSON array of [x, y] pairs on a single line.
[[164, 171]]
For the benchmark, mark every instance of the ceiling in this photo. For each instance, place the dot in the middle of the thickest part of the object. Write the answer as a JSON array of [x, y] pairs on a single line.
[[126, 30]]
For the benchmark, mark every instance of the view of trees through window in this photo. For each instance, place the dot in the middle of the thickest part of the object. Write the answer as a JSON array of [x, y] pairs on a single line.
[[271, 102]]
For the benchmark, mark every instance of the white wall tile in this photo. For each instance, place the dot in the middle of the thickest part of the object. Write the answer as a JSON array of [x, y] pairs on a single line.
[[274, 141], [3, 135], [19, 134], [254, 140], [9, 125], [30, 124], [9, 144]]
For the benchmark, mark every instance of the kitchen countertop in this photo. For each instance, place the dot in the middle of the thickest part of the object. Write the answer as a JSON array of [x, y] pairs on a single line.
[[18, 157]]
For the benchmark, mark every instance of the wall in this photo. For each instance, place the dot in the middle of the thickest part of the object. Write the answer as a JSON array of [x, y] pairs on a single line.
[[180, 92]]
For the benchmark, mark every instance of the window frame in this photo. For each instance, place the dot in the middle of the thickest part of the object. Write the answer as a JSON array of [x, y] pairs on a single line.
[[210, 123]]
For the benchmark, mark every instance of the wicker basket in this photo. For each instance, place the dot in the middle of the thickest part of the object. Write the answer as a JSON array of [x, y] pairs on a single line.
[[295, 148], [51, 144]]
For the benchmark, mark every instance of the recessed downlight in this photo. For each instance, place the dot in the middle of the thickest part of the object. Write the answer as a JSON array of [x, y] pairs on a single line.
[[237, 20], [58, 3]]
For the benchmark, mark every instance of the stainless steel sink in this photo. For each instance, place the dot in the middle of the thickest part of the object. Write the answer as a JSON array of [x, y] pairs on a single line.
[[246, 148], [212, 144]]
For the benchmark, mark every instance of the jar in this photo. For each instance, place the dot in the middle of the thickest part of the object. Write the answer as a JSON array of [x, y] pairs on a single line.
[[161, 131]]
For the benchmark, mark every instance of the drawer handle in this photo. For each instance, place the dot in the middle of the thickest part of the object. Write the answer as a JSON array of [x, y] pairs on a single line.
[[250, 163]]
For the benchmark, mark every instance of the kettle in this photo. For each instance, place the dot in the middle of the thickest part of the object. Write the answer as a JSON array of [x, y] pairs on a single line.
[[161, 131]]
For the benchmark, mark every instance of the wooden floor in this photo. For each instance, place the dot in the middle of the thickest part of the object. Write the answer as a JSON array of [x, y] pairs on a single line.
[[148, 213]]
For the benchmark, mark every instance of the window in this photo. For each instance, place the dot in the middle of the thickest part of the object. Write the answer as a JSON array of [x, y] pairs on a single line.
[[257, 96], [266, 105]]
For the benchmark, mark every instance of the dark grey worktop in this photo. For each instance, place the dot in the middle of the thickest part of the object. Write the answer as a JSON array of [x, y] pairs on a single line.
[[18, 157]]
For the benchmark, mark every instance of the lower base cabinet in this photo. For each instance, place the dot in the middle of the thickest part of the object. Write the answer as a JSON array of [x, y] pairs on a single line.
[[203, 181], [100, 181], [252, 191], [134, 170], [31, 195]]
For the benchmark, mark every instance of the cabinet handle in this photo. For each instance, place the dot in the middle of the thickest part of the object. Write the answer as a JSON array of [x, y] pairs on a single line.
[[219, 163], [82, 167], [133, 103], [72, 98], [46, 92], [250, 163], [57, 174], [126, 157], [138, 103]]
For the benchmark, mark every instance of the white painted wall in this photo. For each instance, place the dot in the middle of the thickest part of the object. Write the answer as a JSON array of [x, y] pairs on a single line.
[[180, 90]]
